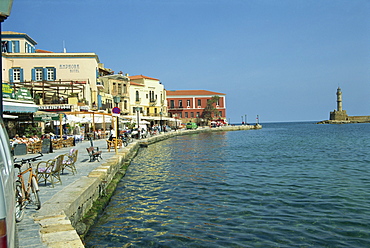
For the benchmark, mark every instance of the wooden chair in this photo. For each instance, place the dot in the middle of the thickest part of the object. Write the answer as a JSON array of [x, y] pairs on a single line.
[[56, 144], [34, 147], [112, 144], [69, 161], [49, 171]]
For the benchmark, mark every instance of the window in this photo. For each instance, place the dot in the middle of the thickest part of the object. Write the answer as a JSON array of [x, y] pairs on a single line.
[[124, 89], [16, 75], [220, 114], [125, 104], [180, 115], [192, 114], [114, 91], [50, 74], [137, 96], [187, 103], [197, 114], [180, 103], [186, 115], [199, 102], [37, 74], [172, 103]]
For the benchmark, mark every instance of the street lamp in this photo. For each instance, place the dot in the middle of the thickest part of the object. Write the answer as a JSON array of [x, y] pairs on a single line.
[[5, 8]]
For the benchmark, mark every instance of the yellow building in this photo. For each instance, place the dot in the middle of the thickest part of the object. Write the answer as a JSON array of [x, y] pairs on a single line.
[[148, 97]]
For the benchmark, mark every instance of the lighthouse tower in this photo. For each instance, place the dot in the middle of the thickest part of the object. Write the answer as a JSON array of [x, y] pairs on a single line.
[[339, 99], [339, 114]]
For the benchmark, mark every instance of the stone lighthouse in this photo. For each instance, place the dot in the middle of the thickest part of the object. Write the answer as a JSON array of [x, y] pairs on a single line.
[[339, 114], [339, 99]]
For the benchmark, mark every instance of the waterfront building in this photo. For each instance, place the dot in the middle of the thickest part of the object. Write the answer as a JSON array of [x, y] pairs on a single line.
[[148, 100], [113, 91], [189, 105], [56, 81]]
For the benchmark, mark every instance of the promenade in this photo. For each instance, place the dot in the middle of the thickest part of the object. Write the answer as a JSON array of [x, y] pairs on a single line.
[[63, 205], [28, 229]]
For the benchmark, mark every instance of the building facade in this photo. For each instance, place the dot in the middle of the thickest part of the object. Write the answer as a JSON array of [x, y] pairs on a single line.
[[57, 81], [189, 105], [148, 96]]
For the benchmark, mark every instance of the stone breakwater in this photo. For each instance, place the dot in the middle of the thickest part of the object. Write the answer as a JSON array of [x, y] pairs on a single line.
[[59, 216]]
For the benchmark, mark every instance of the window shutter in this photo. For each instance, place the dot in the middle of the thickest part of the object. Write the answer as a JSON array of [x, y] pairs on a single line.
[[21, 76], [33, 72], [55, 73], [9, 46], [16, 46], [10, 75], [45, 74]]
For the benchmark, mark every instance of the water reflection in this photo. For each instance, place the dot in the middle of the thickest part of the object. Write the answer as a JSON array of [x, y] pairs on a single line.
[[280, 188]]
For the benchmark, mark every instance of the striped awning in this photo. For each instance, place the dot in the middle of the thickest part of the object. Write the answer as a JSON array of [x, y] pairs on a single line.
[[19, 106]]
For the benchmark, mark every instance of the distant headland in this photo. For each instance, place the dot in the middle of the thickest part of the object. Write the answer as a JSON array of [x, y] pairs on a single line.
[[339, 116]]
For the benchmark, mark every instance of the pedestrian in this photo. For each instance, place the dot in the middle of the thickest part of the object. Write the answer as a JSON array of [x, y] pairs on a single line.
[[112, 134]]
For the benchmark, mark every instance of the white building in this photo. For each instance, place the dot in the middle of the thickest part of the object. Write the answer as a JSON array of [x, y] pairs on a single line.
[[51, 77]]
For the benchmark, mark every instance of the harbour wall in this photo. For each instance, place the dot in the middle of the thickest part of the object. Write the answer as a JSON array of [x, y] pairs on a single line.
[[60, 215]]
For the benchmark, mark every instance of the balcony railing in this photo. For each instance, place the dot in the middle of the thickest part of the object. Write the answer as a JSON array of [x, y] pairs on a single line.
[[176, 107]]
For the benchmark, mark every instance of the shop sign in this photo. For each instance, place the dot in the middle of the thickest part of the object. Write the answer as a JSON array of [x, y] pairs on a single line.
[[8, 91], [55, 108], [84, 108], [46, 117], [23, 94]]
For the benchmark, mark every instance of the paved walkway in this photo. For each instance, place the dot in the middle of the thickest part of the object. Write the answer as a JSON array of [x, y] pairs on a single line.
[[28, 230]]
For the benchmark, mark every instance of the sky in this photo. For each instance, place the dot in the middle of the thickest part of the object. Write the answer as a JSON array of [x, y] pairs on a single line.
[[280, 60]]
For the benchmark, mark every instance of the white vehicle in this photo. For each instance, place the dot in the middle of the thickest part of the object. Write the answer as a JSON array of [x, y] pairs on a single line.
[[7, 193]]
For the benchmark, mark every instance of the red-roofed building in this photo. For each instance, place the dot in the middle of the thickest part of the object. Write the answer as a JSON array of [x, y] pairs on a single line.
[[189, 105]]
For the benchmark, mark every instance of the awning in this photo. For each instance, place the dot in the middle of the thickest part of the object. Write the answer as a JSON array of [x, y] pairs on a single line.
[[10, 117], [19, 107]]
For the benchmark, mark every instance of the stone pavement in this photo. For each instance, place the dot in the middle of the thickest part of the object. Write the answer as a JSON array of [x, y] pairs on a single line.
[[28, 229]]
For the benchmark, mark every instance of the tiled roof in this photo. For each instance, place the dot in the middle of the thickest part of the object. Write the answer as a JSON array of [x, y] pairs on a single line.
[[137, 84], [192, 92], [141, 77], [42, 51]]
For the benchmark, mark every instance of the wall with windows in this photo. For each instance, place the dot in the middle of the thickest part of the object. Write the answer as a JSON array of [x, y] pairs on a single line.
[[190, 106], [149, 95], [80, 68], [13, 42]]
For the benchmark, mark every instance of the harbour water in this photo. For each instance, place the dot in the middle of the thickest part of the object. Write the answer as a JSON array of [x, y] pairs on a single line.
[[285, 185]]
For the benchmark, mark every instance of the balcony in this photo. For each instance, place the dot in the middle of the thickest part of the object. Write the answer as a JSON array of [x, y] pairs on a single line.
[[176, 108]]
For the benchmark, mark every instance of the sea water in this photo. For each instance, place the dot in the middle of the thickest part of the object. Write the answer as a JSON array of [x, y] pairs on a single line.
[[286, 185]]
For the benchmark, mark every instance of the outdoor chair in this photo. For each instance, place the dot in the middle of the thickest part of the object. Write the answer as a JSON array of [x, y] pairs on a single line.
[[49, 171], [69, 161], [112, 144]]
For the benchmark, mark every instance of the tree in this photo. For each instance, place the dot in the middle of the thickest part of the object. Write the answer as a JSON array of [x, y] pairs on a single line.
[[210, 108]]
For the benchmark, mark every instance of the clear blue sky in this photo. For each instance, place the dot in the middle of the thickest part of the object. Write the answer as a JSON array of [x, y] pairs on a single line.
[[281, 60]]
